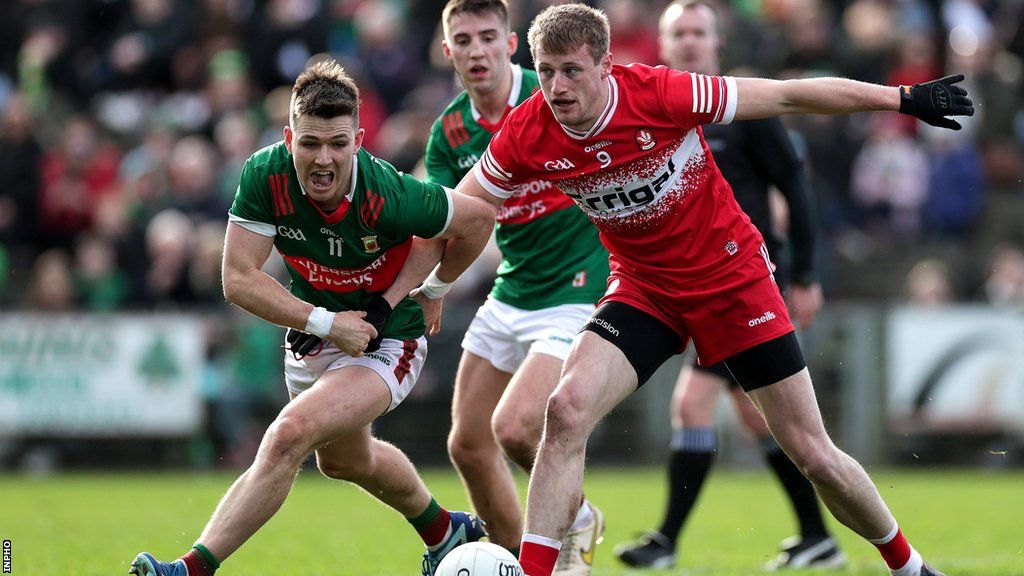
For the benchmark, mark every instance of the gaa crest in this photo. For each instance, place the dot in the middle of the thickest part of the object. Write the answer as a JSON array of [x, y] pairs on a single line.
[[370, 244], [731, 248], [644, 139]]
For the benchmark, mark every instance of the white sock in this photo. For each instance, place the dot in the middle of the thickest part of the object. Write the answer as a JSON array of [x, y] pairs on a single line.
[[583, 517], [912, 567]]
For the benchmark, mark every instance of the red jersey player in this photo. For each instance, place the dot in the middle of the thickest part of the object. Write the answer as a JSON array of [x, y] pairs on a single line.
[[625, 143]]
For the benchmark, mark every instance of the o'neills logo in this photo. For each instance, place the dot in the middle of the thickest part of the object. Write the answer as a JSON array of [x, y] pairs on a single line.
[[606, 325], [767, 316]]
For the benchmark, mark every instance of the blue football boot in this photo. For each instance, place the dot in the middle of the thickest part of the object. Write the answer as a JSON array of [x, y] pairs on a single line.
[[466, 528], [145, 565]]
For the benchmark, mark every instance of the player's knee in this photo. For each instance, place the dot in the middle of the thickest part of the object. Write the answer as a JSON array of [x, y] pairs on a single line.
[[287, 439], [468, 448], [514, 435], [820, 465], [566, 415]]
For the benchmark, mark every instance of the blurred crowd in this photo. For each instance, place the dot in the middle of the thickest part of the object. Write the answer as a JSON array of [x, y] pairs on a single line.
[[125, 122]]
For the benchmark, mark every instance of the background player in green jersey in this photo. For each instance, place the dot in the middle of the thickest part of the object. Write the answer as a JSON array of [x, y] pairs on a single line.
[[343, 221], [552, 272]]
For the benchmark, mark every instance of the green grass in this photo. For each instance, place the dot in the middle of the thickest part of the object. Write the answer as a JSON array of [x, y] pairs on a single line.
[[966, 523]]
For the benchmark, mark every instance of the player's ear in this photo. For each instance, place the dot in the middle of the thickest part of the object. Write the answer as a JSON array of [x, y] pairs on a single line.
[[606, 65], [288, 136], [357, 142], [513, 43], [446, 50]]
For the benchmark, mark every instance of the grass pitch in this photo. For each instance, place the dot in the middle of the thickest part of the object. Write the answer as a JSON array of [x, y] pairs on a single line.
[[965, 523]]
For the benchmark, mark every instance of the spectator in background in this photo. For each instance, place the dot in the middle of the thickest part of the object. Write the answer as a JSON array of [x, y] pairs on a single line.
[[193, 179], [75, 174], [169, 238], [20, 156], [141, 52], [928, 284], [99, 283], [50, 287], [1004, 286], [956, 185], [890, 181]]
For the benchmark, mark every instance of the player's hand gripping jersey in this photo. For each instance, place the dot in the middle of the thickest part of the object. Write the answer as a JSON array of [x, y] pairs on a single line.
[[340, 260], [643, 173], [551, 254]]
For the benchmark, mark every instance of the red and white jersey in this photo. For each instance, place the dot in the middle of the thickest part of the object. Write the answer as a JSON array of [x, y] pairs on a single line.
[[643, 173]]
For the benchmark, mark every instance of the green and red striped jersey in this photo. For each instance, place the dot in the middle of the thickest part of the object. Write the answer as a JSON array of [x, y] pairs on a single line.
[[551, 253], [342, 259]]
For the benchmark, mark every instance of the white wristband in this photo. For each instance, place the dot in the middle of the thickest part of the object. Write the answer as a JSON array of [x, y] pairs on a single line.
[[434, 288], [320, 322]]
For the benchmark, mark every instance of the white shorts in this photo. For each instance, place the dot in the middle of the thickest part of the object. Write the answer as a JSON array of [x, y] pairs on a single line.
[[397, 362], [504, 335]]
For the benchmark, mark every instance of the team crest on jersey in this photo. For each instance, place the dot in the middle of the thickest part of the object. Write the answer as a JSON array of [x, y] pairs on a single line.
[[645, 139], [370, 244], [731, 247]]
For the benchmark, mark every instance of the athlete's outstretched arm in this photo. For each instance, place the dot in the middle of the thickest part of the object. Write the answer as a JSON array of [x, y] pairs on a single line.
[[932, 101], [247, 286]]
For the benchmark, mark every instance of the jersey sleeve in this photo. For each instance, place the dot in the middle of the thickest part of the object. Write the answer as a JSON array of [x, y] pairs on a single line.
[[694, 99], [500, 170], [441, 168], [251, 208], [420, 208], [772, 153]]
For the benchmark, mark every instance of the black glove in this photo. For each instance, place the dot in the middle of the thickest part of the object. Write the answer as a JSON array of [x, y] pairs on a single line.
[[933, 101], [378, 314], [301, 344]]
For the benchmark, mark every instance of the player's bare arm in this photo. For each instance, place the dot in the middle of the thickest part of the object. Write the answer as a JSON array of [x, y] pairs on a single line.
[[247, 286], [471, 227], [932, 102]]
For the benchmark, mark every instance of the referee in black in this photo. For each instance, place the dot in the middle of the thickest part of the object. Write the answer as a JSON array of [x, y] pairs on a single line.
[[753, 156]]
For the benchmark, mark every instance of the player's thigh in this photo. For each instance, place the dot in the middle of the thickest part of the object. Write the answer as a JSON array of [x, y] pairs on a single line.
[[748, 413], [790, 409], [339, 403], [549, 334], [695, 397], [478, 388], [522, 406]]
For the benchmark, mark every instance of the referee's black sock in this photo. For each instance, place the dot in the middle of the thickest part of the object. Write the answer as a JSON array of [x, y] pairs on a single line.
[[693, 452], [798, 488]]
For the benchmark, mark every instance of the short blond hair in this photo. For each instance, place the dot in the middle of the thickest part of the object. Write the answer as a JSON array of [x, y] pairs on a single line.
[[564, 28], [324, 90]]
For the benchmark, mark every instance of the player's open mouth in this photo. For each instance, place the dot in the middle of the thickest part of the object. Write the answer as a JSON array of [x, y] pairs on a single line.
[[562, 104], [478, 70], [322, 179]]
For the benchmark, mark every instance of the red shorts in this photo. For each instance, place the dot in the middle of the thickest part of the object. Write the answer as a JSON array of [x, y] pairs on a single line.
[[748, 310]]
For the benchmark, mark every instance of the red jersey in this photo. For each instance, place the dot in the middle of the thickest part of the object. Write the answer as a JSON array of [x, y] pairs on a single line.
[[643, 174]]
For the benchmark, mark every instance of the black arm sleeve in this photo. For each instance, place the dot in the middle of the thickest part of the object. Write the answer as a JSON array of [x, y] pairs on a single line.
[[774, 157]]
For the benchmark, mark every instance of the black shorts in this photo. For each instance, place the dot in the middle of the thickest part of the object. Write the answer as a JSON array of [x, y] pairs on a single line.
[[647, 343]]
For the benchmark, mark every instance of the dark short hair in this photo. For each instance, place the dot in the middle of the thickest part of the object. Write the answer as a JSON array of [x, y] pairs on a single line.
[[324, 90], [453, 7], [692, 4], [563, 28]]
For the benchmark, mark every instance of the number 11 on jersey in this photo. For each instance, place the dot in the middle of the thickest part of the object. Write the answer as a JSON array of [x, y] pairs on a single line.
[[335, 246]]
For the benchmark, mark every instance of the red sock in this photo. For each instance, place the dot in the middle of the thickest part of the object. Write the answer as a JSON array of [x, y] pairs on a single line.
[[197, 564], [538, 555], [895, 551]]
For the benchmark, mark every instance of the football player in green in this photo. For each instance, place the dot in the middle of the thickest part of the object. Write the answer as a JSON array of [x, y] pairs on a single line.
[[344, 223]]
